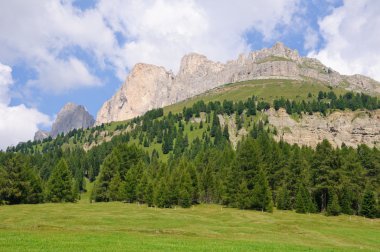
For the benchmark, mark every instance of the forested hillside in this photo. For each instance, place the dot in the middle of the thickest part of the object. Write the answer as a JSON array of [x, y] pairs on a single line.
[[186, 157]]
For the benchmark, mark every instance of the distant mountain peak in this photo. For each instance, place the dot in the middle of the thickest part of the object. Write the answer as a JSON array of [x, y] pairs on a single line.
[[71, 116]]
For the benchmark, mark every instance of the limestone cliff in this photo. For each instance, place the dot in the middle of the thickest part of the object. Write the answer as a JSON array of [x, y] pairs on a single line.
[[149, 86], [349, 127]]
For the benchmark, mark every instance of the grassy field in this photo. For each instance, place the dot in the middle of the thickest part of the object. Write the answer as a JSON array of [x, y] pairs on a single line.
[[130, 227]]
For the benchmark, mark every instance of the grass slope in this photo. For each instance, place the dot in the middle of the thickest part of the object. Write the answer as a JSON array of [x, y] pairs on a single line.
[[267, 90], [117, 226]]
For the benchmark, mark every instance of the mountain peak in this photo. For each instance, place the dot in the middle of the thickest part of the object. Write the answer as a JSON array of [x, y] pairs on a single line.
[[71, 116], [150, 86]]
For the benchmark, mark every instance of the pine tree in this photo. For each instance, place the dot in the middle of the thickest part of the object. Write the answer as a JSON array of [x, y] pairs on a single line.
[[333, 207], [261, 194], [60, 184], [243, 196], [304, 203], [346, 201], [368, 208], [115, 193], [109, 168], [141, 187], [149, 193], [185, 191], [19, 183], [283, 199], [162, 194]]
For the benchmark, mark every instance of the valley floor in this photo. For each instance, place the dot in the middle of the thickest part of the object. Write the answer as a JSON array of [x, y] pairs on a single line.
[[130, 227]]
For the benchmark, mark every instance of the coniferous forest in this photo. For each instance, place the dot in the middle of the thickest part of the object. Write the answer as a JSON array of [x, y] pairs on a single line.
[[259, 174]]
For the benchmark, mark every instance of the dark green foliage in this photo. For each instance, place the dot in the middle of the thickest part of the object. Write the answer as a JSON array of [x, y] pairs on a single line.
[[333, 207], [261, 193], [206, 169], [61, 184], [244, 196], [109, 169], [19, 183], [185, 190], [346, 201], [283, 199], [369, 206], [303, 203]]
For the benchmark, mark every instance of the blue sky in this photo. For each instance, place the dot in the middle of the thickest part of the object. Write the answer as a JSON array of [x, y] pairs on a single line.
[[53, 52]]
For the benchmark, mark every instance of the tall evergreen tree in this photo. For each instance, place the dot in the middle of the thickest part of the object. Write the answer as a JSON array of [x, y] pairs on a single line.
[[333, 207], [243, 196], [368, 207], [261, 194], [303, 203], [185, 191], [60, 184], [109, 169], [283, 199]]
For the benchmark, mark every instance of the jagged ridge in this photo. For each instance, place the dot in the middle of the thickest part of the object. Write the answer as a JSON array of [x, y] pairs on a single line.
[[149, 86]]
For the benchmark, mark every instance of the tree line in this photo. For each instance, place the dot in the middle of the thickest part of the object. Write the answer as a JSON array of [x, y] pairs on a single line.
[[259, 174]]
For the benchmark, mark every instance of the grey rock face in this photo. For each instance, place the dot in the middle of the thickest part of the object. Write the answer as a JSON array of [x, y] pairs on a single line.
[[349, 127], [41, 135], [149, 86], [71, 117]]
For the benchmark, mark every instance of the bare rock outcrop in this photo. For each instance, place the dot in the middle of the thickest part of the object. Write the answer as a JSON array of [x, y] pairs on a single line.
[[41, 135], [349, 127], [149, 86]]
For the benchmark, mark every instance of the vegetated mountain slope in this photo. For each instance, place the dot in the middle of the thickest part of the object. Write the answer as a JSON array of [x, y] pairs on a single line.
[[366, 130], [148, 86]]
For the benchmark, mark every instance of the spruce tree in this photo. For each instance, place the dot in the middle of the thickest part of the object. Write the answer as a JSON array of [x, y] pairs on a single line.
[[283, 199], [109, 169], [243, 196], [149, 193], [261, 194], [185, 191], [141, 187], [368, 207], [162, 194], [346, 201], [115, 193], [60, 184], [303, 203], [333, 207]]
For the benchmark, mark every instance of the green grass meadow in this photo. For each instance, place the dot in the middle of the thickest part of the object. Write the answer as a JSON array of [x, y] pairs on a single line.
[[119, 226]]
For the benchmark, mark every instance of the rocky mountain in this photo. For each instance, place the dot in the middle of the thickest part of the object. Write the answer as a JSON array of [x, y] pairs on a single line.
[[71, 116], [40, 135], [150, 86]]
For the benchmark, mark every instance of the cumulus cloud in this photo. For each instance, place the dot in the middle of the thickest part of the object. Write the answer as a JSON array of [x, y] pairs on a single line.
[[38, 33], [311, 39], [161, 32], [352, 38], [118, 34], [17, 123]]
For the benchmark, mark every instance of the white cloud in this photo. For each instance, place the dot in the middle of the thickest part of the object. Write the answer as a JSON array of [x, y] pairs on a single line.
[[17, 123], [352, 37], [45, 34], [161, 32], [311, 39], [39, 32]]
